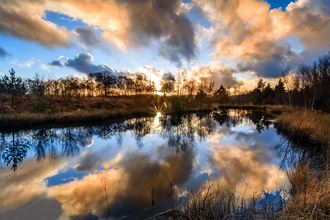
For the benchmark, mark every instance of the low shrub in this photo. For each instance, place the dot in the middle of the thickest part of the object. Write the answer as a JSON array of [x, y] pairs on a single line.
[[121, 105], [42, 106], [177, 104]]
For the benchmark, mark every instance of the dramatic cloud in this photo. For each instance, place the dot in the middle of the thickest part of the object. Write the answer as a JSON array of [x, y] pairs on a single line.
[[37, 208], [126, 24], [168, 77], [87, 37], [247, 165], [87, 161], [216, 72], [19, 189], [281, 59], [83, 63], [3, 53], [24, 25], [162, 20], [56, 63], [245, 33], [248, 31], [246, 170], [309, 21], [129, 180]]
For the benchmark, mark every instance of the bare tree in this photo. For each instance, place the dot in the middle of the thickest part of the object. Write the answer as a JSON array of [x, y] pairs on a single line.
[[287, 79]]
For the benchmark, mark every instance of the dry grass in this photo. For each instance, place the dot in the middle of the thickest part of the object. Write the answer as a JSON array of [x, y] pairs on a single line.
[[28, 119], [302, 123], [214, 202], [310, 180], [308, 198], [310, 193]]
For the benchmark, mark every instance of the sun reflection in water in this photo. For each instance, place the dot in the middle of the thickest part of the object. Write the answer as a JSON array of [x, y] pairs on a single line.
[[158, 112], [156, 121]]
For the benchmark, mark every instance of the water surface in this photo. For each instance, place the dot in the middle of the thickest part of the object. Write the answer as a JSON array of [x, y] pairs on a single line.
[[145, 165]]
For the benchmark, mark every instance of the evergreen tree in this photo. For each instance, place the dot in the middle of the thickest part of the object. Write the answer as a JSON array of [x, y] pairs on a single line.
[[279, 92], [221, 92], [258, 92], [280, 86], [268, 94], [14, 86]]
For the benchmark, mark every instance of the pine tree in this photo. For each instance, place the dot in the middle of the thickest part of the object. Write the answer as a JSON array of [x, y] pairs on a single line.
[[220, 92], [14, 85], [280, 86], [279, 92], [258, 92]]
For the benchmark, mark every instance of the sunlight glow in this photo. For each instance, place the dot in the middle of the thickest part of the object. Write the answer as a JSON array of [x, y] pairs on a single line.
[[156, 121], [158, 112], [157, 80]]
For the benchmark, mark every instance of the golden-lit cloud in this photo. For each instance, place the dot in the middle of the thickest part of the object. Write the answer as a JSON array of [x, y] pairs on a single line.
[[130, 179], [125, 24], [306, 19], [77, 200], [27, 20], [248, 84], [245, 169], [249, 32], [214, 71], [23, 24], [27, 183]]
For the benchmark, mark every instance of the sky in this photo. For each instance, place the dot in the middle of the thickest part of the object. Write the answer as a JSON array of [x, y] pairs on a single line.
[[231, 42]]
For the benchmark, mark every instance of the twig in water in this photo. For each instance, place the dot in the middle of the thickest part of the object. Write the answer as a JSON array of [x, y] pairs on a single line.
[[152, 196], [171, 186], [104, 186]]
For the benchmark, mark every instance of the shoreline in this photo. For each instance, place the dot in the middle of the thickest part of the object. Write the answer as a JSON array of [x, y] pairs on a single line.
[[21, 121], [301, 123]]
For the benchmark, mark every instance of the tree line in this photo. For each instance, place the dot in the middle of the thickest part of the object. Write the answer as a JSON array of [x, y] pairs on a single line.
[[307, 87], [103, 83]]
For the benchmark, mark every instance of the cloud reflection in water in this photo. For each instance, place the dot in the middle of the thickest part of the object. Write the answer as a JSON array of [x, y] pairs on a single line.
[[219, 145]]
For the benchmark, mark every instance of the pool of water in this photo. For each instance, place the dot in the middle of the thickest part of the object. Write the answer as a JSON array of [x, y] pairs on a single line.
[[136, 167]]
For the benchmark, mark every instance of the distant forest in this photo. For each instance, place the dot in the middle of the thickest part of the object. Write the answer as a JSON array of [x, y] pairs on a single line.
[[308, 87]]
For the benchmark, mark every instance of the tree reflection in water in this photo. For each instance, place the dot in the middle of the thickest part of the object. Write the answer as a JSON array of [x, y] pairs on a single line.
[[180, 132], [15, 151], [292, 149]]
